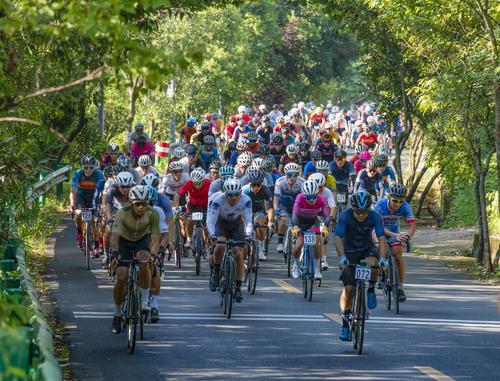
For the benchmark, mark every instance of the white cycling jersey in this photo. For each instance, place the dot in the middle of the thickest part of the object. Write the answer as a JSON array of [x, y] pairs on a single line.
[[169, 185], [219, 207], [186, 167], [139, 174], [285, 192], [215, 186], [328, 195]]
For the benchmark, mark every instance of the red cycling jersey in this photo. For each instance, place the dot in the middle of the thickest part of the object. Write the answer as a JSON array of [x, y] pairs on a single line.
[[197, 197]]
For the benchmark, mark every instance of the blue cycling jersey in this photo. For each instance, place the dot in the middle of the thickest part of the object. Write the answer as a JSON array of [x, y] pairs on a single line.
[[357, 236], [343, 174], [165, 204], [367, 183], [387, 174], [88, 186], [308, 169], [391, 219]]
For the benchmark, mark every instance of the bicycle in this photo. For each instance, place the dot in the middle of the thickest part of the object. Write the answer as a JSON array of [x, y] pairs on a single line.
[[131, 314], [178, 238], [308, 263], [362, 274], [227, 279], [87, 229], [198, 240], [288, 245], [341, 199], [252, 268]]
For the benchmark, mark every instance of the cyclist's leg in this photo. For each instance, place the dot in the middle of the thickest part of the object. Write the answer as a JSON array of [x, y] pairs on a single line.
[[121, 278], [144, 276], [80, 204], [283, 214], [215, 260], [260, 234], [397, 252], [238, 234]]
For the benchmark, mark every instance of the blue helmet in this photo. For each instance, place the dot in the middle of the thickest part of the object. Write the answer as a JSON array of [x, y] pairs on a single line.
[[316, 154], [190, 122], [152, 193], [226, 170], [361, 200]]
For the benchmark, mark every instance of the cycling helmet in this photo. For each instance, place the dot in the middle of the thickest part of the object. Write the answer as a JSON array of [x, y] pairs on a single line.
[[254, 176], [370, 164], [287, 119], [291, 149], [197, 175], [381, 160], [264, 149], [303, 146], [258, 162], [139, 126], [241, 146], [152, 193], [291, 168], [138, 193], [124, 161], [191, 149], [113, 147], [190, 122], [310, 188], [205, 125], [321, 165], [241, 108], [89, 161], [144, 161], [231, 146], [284, 129], [150, 179], [125, 179], [277, 139], [232, 118], [252, 136], [232, 186], [226, 170], [319, 178], [365, 155], [370, 120], [208, 116], [216, 164], [280, 120], [241, 123], [244, 159], [360, 148], [265, 119], [340, 153], [397, 190], [109, 170], [179, 152], [269, 164], [316, 154], [175, 166], [208, 139], [361, 200], [326, 137]]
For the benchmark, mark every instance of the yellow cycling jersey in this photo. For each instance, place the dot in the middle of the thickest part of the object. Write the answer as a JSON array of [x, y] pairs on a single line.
[[330, 182]]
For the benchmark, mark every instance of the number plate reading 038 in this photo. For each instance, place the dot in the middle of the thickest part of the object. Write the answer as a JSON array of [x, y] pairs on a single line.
[[197, 216], [341, 197], [86, 215], [309, 239], [363, 272]]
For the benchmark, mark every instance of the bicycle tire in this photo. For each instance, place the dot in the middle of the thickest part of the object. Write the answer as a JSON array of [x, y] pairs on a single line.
[[179, 245], [229, 286], [395, 286], [310, 271], [253, 268], [266, 244], [132, 312], [87, 246], [288, 251], [198, 245], [361, 322], [386, 287]]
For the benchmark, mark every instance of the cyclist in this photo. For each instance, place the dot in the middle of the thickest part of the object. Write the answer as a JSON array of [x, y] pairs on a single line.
[[387, 174], [240, 148], [264, 151], [342, 171], [205, 130], [327, 147], [138, 131], [291, 156], [308, 204], [328, 196], [141, 147], [111, 157], [244, 161], [110, 173], [188, 130], [86, 187], [392, 209], [286, 134], [265, 130], [178, 154], [262, 205], [286, 189], [268, 178], [197, 191], [310, 167], [213, 173], [360, 148], [145, 167], [277, 148], [241, 132], [136, 229], [353, 243], [192, 160], [368, 138], [360, 164], [231, 149], [252, 145], [208, 152], [174, 180], [229, 217], [225, 172], [368, 179], [304, 153], [230, 127]]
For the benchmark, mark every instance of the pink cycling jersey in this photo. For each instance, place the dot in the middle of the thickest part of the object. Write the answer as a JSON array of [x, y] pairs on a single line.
[[302, 210]]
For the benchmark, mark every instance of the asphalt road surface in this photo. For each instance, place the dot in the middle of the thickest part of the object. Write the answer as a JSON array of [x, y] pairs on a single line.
[[449, 328]]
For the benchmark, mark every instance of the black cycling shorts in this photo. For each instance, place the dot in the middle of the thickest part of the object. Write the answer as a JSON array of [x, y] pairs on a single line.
[[126, 249], [347, 276], [84, 202], [234, 230]]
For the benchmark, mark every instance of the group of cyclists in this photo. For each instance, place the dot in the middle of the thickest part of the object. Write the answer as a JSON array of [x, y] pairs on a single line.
[[263, 171]]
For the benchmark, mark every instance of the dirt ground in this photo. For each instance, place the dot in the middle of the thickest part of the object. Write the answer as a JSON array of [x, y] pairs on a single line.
[[434, 240]]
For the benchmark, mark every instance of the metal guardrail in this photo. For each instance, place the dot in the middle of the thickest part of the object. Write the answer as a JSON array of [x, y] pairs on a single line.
[[48, 182]]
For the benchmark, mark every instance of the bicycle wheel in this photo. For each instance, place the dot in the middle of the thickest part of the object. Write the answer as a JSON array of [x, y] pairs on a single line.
[[229, 286], [198, 245], [385, 281], [88, 244], [252, 268], [359, 320], [303, 267], [266, 244], [132, 312], [395, 286], [310, 271], [288, 251], [179, 244]]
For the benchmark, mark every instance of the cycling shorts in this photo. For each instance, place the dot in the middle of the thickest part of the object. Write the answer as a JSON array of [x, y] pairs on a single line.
[[84, 202], [347, 276], [307, 224], [285, 209], [127, 248], [394, 242], [234, 230], [190, 209]]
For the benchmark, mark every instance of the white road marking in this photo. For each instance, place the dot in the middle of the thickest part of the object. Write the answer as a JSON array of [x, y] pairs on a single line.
[[434, 373]]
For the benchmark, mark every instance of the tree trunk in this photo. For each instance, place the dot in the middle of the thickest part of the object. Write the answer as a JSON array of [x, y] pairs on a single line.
[[480, 249], [485, 231], [133, 91], [416, 183], [427, 189]]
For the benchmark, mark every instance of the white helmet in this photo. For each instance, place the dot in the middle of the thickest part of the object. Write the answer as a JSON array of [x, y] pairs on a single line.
[[319, 178], [310, 188], [291, 168], [321, 165], [291, 149], [179, 152], [125, 179], [258, 162], [301, 105], [197, 175], [150, 179], [175, 166], [370, 120], [241, 108], [244, 159], [232, 186], [139, 193], [144, 161]]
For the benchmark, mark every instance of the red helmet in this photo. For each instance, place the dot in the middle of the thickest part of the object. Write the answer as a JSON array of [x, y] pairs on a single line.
[[232, 118], [208, 116]]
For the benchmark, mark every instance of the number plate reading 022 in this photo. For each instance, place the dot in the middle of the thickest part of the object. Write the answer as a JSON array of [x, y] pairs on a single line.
[[341, 198], [363, 272], [197, 216], [309, 239], [86, 215]]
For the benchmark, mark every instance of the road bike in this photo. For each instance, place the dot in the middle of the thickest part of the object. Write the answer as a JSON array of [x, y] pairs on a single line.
[[178, 238], [88, 236], [199, 251], [308, 263], [252, 266], [288, 245]]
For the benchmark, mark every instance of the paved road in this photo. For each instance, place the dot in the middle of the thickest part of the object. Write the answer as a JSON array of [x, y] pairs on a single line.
[[449, 328]]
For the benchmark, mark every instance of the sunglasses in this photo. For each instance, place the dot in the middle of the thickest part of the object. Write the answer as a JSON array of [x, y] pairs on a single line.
[[361, 212], [255, 185], [114, 153], [340, 158], [177, 171], [232, 195], [126, 187], [88, 168], [141, 204], [397, 200], [292, 175], [311, 198], [373, 171]]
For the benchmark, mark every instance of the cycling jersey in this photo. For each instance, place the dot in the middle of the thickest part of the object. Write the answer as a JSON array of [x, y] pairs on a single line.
[[286, 193], [196, 197], [304, 159], [264, 134], [108, 159], [215, 186], [258, 198], [148, 149], [241, 133], [369, 140], [134, 135], [308, 169], [330, 182], [276, 153], [342, 175], [285, 159], [187, 132], [391, 219], [116, 198], [357, 236], [107, 187], [387, 174], [358, 166], [230, 127], [366, 183], [253, 149], [170, 186], [164, 203], [187, 167], [133, 227], [220, 208], [208, 156], [88, 187], [162, 219], [305, 214], [328, 195], [327, 151]]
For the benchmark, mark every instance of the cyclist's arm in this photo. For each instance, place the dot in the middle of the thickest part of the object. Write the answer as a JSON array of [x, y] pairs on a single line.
[[248, 218], [339, 246], [175, 202], [380, 233], [412, 228], [277, 195], [212, 217], [98, 188], [74, 188]]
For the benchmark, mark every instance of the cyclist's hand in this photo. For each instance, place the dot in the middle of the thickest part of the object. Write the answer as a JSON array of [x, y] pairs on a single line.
[[383, 262], [295, 230], [270, 225], [213, 238], [331, 225], [401, 237], [343, 261]]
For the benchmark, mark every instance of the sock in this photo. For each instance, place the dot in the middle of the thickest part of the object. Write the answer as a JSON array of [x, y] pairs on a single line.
[[238, 284], [79, 230], [280, 238], [155, 302], [100, 243], [118, 310], [144, 295], [345, 319]]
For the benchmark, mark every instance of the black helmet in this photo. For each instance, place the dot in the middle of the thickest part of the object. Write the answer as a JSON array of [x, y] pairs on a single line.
[[205, 125], [316, 154], [277, 139], [303, 146], [231, 145], [397, 190], [381, 160], [89, 161], [340, 153], [191, 149], [252, 136], [361, 200], [264, 149]]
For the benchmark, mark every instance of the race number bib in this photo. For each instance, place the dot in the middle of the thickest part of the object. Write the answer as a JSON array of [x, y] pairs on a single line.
[[341, 198], [197, 216], [363, 273], [86, 215], [309, 239]]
